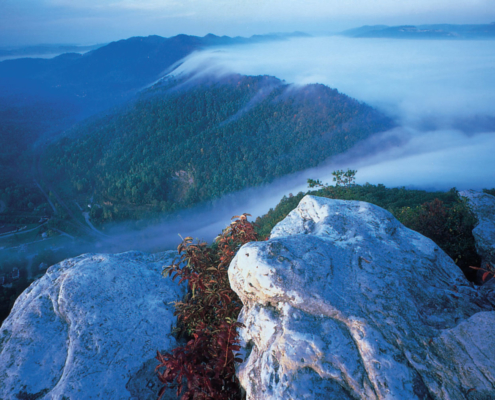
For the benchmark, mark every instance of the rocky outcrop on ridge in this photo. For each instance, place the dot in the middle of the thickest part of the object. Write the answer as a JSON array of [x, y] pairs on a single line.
[[89, 329], [344, 302], [483, 207]]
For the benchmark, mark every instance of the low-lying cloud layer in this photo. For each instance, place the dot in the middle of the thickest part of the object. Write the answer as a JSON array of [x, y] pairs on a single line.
[[411, 79], [440, 92]]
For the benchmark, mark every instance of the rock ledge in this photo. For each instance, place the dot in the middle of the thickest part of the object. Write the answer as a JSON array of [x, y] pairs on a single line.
[[344, 302], [88, 329]]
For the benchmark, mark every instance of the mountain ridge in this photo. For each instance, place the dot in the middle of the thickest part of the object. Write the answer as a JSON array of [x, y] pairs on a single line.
[[187, 141], [71, 87], [428, 31]]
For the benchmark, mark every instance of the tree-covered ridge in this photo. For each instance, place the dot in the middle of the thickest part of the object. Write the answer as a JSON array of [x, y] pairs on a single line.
[[183, 143], [42, 97]]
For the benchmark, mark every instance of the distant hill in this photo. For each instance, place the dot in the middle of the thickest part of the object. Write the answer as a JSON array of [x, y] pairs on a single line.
[[108, 74], [44, 49], [183, 143], [435, 31], [41, 97]]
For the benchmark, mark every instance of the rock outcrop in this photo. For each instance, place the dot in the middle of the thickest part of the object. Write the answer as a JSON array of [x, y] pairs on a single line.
[[89, 329], [483, 207], [344, 302]]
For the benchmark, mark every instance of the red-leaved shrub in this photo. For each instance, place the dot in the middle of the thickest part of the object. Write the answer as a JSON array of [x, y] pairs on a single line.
[[204, 368]]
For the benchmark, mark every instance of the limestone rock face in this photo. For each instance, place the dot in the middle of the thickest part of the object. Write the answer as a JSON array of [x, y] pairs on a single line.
[[88, 329], [344, 302], [483, 207]]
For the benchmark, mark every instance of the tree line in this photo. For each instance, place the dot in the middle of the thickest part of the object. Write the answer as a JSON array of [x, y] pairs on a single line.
[[181, 143]]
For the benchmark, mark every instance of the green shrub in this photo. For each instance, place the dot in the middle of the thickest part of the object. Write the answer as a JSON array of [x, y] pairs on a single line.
[[449, 227], [440, 216]]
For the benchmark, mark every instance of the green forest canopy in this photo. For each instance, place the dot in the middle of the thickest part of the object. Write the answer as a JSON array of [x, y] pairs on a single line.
[[182, 143]]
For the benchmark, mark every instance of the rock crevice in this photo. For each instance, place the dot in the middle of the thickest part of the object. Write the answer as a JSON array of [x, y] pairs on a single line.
[[483, 207], [89, 328], [343, 302]]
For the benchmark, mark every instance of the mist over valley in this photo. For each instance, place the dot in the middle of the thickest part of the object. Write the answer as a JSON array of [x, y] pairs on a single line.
[[130, 144], [249, 200], [439, 92]]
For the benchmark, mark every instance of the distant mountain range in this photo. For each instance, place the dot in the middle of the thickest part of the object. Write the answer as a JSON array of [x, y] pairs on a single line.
[[40, 97], [436, 31], [44, 49]]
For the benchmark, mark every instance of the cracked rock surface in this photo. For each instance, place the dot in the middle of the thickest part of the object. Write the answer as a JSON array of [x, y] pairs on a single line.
[[344, 302], [88, 330], [483, 207]]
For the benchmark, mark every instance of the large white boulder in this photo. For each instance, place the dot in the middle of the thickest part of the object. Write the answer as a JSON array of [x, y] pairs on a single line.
[[89, 329], [344, 302], [483, 207]]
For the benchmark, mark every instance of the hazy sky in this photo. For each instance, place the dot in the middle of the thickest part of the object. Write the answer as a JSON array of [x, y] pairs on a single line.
[[97, 21]]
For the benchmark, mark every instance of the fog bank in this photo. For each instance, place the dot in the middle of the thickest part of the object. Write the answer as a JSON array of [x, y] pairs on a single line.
[[441, 94], [410, 79]]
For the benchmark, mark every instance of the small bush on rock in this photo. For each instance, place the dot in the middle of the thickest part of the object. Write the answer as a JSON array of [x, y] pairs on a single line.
[[487, 273], [449, 227], [204, 368], [440, 216]]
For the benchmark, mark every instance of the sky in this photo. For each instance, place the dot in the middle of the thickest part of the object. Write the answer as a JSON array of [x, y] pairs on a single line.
[[27, 22]]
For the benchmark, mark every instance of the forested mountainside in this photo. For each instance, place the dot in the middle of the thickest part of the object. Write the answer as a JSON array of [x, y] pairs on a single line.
[[182, 143], [40, 98]]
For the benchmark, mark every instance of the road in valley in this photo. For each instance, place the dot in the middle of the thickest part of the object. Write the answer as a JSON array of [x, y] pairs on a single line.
[[86, 217], [63, 233], [22, 232], [89, 230], [47, 197]]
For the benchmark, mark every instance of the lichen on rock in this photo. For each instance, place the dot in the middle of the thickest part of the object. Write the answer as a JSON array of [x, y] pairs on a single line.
[[88, 328], [344, 302]]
